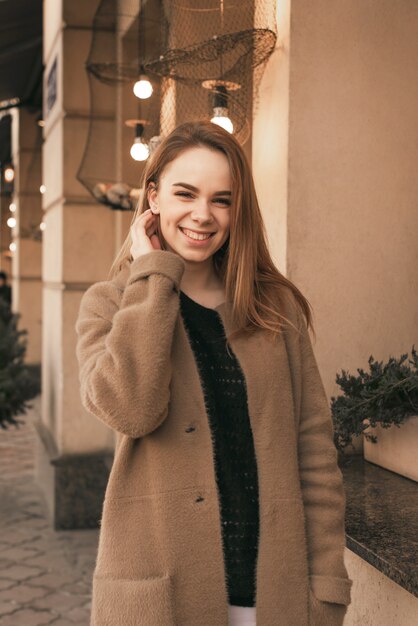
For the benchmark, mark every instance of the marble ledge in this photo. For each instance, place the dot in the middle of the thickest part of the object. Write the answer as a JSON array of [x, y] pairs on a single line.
[[381, 519]]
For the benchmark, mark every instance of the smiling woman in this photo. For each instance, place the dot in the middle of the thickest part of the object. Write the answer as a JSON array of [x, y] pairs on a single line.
[[194, 223], [225, 497], [199, 180]]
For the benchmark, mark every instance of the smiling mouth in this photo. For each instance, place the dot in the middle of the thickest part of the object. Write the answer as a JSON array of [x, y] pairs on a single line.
[[196, 236]]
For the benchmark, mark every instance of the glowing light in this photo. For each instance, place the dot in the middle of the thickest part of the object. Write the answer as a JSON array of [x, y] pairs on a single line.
[[42, 225], [12, 247], [143, 88], [224, 121], [42, 188], [139, 150], [9, 174], [11, 222], [12, 207]]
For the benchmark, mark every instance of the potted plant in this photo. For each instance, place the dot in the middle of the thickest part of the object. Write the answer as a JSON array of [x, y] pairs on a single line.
[[376, 404]]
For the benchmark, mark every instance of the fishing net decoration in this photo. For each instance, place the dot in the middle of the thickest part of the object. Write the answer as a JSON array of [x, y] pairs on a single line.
[[217, 46], [197, 54], [123, 39]]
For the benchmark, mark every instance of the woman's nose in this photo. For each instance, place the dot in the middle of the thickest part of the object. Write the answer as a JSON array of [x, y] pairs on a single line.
[[202, 211]]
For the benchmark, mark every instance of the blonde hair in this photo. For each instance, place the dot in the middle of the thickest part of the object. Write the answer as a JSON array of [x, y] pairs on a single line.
[[243, 263]]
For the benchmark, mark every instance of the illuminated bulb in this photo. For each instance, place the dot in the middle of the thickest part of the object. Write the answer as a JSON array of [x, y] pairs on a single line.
[[12, 247], [221, 118], [143, 88], [9, 174], [42, 188], [12, 207], [139, 150], [42, 225], [11, 222]]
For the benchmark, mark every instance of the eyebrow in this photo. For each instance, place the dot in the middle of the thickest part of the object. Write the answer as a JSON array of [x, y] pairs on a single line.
[[192, 188]]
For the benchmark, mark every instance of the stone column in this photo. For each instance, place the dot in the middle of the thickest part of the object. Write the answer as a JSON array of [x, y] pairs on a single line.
[[74, 450], [334, 158]]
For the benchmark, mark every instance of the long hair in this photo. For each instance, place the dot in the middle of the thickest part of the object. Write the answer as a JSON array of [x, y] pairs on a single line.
[[243, 263]]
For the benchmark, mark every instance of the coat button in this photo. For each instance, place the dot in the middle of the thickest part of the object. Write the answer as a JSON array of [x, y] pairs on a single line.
[[199, 499], [190, 429]]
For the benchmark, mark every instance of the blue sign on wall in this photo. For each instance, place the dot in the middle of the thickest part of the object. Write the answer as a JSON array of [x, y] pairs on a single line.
[[51, 87]]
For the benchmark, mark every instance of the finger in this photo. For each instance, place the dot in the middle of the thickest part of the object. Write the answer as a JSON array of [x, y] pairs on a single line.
[[144, 220], [150, 232], [155, 242]]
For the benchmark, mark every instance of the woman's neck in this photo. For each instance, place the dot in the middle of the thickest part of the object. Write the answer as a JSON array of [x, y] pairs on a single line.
[[202, 280]]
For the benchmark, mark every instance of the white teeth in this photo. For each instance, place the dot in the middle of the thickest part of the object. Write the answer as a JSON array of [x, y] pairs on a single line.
[[193, 235]]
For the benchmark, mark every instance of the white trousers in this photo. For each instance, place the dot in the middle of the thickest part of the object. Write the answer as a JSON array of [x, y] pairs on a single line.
[[241, 615]]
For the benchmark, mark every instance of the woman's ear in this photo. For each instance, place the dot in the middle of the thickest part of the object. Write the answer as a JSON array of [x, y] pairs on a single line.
[[152, 198]]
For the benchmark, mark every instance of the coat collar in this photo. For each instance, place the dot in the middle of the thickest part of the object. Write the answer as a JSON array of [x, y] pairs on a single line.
[[224, 309]]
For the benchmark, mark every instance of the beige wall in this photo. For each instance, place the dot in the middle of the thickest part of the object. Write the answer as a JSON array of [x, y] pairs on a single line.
[[338, 187], [376, 600], [79, 240], [270, 140]]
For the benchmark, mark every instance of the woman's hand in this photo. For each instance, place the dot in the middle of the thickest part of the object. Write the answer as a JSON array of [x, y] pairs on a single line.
[[143, 234]]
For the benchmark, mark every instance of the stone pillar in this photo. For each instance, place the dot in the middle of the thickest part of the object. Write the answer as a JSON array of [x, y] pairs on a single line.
[[270, 139], [74, 449], [334, 158], [26, 279]]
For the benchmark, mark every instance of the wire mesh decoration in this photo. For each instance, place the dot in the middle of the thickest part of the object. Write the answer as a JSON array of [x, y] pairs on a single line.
[[204, 58], [209, 38], [216, 53], [125, 36]]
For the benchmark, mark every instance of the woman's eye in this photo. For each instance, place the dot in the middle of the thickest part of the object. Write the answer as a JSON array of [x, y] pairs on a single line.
[[186, 194]]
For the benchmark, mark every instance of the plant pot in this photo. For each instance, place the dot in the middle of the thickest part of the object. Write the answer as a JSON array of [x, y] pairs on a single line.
[[396, 447]]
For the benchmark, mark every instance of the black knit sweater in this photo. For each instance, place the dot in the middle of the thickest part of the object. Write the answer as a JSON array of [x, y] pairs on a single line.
[[224, 388]]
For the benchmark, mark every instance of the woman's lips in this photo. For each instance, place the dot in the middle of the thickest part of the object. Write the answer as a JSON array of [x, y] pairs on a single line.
[[198, 242]]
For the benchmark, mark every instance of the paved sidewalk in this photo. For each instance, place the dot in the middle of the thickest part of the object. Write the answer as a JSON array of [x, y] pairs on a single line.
[[45, 575]]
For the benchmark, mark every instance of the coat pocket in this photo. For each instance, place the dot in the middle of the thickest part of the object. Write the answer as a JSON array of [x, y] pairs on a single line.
[[132, 602], [323, 613]]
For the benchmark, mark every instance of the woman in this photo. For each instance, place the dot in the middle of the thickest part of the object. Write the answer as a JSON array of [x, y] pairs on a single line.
[[225, 504]]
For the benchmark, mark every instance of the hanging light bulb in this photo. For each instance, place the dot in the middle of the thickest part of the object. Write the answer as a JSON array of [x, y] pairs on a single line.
[[9, 174], [143, 88], [220, 109], [139, 148], [12, 247], [220, 117], [11, 222]]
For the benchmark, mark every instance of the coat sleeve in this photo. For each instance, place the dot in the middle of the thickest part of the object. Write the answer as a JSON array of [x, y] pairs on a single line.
[[124, 339], [321, 483]]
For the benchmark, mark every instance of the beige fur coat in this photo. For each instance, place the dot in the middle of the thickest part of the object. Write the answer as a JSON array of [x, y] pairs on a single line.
[[160, 558]]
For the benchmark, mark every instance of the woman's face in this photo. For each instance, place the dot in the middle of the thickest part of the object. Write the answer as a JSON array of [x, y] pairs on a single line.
[[194, 194]]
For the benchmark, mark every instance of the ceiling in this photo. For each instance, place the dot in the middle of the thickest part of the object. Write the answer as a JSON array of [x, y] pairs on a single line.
[[21, 64]]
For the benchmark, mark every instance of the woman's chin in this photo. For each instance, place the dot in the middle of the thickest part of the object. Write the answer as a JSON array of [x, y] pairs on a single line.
[[187, 251]]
